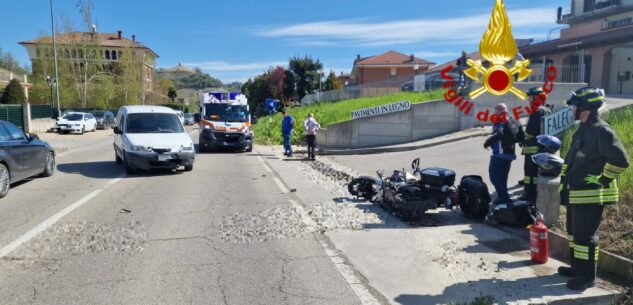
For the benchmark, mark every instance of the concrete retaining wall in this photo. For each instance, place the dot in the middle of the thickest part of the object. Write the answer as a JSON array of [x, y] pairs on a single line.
[[425, 120], [41, 125]]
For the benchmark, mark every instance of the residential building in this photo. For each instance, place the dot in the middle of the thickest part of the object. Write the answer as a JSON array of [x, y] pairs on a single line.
[[387, 70], [6, 76], [75, 46], [595, 48]]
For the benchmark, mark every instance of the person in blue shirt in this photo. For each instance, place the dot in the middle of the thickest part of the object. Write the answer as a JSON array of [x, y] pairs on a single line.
[[506, 132], [287, 128]]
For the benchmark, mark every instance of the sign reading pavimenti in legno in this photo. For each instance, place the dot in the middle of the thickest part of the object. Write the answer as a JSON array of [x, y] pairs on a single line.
[[382, 109]]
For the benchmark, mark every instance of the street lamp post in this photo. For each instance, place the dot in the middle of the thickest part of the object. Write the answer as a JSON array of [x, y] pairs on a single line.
[[55, 59], [50, 84]]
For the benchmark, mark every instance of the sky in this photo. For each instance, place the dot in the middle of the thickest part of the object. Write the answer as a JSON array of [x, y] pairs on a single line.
[[237, 40]]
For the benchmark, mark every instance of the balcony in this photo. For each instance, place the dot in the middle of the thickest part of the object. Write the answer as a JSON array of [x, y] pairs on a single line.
[[595, 10]]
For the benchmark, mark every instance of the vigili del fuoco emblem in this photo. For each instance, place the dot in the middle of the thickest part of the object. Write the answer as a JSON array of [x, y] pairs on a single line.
[[498, 47]]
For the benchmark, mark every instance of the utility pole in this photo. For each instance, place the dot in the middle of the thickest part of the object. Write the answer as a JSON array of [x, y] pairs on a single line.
[[56, 82]]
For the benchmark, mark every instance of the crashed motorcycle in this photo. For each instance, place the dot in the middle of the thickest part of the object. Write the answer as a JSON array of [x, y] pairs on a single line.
[[411, 194]]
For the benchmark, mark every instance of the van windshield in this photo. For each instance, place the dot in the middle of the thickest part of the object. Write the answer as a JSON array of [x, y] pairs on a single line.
[[225, 112], [153, 123]]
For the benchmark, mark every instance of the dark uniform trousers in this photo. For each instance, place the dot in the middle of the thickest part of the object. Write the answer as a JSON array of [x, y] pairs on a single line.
[[583, 221]]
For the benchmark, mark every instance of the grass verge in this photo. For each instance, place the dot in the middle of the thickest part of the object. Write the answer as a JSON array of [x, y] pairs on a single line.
[[616, 229], [268, 130]]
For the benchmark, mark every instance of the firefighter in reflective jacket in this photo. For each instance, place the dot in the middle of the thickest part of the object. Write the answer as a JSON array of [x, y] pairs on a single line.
[[530, 145], [589, 182]]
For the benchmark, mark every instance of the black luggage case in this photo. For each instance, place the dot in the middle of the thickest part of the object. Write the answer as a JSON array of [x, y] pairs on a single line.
[[437, 176], [474, 197]]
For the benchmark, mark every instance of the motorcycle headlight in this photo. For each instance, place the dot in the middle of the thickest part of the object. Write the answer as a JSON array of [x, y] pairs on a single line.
[[210, 128], [141, 148]]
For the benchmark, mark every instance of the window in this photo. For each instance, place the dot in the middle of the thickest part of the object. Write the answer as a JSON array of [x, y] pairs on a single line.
[[114, 55], [4, 135], [393, 74], [589, 6], [107, 54], [15, 133]]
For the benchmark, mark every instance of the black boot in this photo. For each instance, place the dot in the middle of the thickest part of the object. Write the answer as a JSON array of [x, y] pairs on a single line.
[[580, 283], [566, 271]]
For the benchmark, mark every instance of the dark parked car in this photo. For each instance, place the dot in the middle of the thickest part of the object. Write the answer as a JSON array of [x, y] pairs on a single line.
[[22, 156], [189, 120], [105, 119], [407, 87]]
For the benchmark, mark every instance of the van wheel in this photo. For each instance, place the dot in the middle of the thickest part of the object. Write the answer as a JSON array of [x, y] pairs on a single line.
[[188, 167], [5, 181]]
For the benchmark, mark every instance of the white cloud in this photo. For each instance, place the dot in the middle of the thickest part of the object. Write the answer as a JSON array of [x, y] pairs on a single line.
[[367, 33], [222, 66], [432, 54], [228, 72]]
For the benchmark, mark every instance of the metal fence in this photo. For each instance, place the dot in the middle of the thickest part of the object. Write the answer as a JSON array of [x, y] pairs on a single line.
[[355, 91], [41, 112], [12, 114]]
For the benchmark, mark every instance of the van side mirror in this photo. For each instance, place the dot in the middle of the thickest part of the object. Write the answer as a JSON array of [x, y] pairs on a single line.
[[117, 130], [33, 137]]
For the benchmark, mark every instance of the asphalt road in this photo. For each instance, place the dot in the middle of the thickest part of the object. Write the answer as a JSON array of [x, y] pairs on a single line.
[[161, 238]]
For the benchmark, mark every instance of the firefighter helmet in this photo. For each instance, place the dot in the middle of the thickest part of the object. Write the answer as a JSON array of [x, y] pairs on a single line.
[[587, 98], [550, 165], [535, 91], [550, 144]]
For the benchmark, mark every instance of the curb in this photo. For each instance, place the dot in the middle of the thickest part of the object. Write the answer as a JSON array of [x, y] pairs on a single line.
[[378, 150], [612, 267]]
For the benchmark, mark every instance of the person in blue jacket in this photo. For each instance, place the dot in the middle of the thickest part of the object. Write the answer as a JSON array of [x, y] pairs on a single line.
[[287, 128], [506, 132]]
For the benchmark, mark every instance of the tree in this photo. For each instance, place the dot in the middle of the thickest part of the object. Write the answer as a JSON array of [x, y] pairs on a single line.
[[332, 82], [8, 62], [172, 94], [165, 84], [13, 93], [304, 75]]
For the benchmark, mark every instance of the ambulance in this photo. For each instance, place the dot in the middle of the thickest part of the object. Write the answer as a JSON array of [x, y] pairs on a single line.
[[225, 122]]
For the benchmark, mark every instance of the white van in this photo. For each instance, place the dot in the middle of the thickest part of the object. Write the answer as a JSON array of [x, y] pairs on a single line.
[[151, 137]]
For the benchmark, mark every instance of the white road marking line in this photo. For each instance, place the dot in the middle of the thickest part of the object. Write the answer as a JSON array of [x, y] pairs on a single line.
[[346, 271], [4, 251], [266, 167], [359, 288], [281, 186]]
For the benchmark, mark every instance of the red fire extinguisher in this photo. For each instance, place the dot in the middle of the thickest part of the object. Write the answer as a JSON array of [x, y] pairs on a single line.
[[539, 245]]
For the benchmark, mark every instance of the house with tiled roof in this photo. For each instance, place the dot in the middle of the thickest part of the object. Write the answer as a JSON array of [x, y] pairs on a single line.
[[112, 46], [596, 47], [388, 70]]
